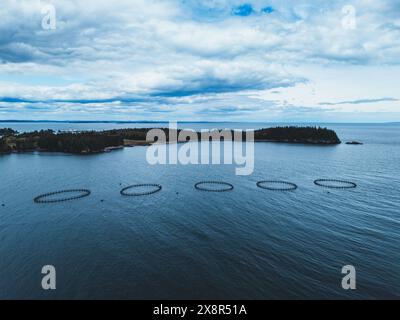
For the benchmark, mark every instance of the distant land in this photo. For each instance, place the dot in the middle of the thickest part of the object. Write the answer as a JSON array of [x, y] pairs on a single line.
[[167, 121], [305, 123], [87, 142], [82, 121]]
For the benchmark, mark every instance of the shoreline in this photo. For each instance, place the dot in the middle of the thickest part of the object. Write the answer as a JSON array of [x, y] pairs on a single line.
[[145, 144]]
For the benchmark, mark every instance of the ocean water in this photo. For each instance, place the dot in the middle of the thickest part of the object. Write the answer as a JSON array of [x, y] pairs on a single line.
[[248, 243]]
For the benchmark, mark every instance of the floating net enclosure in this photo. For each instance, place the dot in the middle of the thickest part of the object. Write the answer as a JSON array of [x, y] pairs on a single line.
[[143, 189], [213, 186], [276, 185], [335, 184], [57, 196]]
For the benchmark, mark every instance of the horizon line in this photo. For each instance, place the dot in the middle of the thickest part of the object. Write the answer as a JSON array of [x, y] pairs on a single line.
[[167, 121]]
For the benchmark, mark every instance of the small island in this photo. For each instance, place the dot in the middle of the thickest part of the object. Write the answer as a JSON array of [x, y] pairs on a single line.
[[88, 142], [354, 143]]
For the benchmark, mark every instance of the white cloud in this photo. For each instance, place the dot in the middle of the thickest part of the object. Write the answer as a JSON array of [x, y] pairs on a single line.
[[187, 56]]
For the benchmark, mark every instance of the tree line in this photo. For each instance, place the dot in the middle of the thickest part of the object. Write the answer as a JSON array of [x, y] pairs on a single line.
[[96, 141]]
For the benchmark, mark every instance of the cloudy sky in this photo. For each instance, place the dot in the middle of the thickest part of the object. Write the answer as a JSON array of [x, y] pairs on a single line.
[[213, 60]]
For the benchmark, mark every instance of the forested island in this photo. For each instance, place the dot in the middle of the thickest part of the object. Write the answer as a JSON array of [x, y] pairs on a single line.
[[87, 142]]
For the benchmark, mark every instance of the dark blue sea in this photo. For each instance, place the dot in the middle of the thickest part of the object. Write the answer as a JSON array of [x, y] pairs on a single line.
[[182, 243]]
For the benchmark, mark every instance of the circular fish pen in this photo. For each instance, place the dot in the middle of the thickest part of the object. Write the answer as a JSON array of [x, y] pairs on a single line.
[[47, 197], [335, 184], [156, 188], [276, 185], [207, 186]]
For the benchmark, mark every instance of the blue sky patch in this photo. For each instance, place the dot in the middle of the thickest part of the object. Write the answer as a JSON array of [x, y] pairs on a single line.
[[243, 10], [267, 10]]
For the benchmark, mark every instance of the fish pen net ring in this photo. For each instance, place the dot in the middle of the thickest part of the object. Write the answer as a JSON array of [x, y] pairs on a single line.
[[225, 186], [44, 198], [276, 185], [156, 189], [335, 184]]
